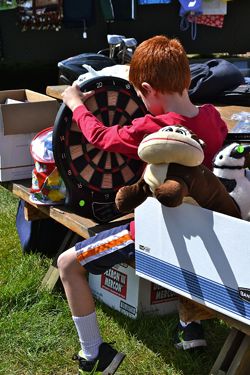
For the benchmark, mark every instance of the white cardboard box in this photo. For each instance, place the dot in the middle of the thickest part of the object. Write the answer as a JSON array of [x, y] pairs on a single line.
[[200, 254], [19, 123], [121, 289]]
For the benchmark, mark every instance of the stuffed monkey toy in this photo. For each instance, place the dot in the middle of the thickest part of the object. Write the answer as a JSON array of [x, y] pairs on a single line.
[[174, 171]]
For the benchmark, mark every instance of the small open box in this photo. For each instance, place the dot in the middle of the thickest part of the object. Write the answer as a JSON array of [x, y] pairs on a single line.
[[19, 122]]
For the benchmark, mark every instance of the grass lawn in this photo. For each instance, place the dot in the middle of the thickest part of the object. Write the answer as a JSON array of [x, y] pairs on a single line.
[[37, 335]]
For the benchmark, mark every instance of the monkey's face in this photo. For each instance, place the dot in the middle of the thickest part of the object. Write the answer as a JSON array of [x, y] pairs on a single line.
[[172, 144]]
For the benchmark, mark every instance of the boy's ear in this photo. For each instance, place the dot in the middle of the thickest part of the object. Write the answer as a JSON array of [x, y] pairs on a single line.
[[147, 87]]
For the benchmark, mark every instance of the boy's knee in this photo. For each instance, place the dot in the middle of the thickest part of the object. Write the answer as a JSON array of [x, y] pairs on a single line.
[[61, 261], [66, 260], [63, 264], [67, 263]]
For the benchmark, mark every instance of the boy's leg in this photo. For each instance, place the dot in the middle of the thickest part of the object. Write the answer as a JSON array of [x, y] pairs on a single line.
[[96, 255], [190, 331], [190, 335], [74, 280], [81, 303]]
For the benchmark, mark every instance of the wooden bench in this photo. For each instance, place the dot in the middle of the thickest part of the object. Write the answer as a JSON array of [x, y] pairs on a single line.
[[77, 226]]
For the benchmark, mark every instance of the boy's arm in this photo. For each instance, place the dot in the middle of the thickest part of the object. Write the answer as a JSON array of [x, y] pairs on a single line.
[[114, 138], [104, 138]]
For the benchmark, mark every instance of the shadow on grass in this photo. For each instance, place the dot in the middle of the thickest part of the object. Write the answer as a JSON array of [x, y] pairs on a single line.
[[157, 334]]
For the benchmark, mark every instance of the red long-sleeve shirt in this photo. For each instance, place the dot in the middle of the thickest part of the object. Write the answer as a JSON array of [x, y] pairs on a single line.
[[207, 125]]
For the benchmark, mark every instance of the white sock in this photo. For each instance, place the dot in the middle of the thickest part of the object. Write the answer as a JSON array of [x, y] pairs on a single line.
[[89, 335], [185, 324]]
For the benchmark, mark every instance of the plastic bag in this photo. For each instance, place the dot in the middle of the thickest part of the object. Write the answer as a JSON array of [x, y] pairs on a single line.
[[47, 185]]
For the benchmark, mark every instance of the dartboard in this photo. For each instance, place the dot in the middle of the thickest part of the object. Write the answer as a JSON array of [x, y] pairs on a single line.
[[93, 176]]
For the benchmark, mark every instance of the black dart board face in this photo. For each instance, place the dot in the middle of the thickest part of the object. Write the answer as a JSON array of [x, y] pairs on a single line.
[[92, 176]]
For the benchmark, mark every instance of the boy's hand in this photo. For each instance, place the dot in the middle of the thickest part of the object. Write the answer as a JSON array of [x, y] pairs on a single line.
[[73, 97]]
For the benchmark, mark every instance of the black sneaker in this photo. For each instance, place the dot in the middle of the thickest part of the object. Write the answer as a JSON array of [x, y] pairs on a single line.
[[191, 336], [106, 363]]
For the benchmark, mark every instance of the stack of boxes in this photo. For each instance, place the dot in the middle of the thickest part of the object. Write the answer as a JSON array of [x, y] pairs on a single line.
[[23, 113]]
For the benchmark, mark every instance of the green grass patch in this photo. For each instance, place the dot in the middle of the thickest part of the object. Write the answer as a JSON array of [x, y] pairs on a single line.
[[38, 337]]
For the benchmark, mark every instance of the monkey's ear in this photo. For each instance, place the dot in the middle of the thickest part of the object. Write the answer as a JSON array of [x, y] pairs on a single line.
[[200, 141]]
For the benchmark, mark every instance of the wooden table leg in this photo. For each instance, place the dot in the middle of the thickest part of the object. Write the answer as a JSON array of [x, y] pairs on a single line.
[[234, 357], [52, 276]]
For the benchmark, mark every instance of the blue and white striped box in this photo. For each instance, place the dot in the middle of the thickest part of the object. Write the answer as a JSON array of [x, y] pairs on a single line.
[[197, 253]]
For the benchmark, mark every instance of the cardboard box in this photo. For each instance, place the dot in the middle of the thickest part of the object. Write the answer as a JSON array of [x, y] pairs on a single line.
[[121, 289], [19, 122], [200, 254]]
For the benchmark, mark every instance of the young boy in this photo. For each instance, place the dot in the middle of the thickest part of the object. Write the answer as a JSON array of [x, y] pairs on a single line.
[[160, 74]]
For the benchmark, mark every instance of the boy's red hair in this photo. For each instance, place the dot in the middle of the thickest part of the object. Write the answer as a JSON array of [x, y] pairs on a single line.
[[161, 62]]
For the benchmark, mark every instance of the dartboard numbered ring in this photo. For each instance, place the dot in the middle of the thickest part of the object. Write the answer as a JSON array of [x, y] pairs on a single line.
[[92, 176]]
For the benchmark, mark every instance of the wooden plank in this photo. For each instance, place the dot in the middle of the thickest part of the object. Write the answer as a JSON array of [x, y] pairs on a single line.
[[50, 279], [32, 213], [227, 353], [226, 112], [56, 91], [52, 276], [234, 357], [234, 323], [84, 227], [241, 363]]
